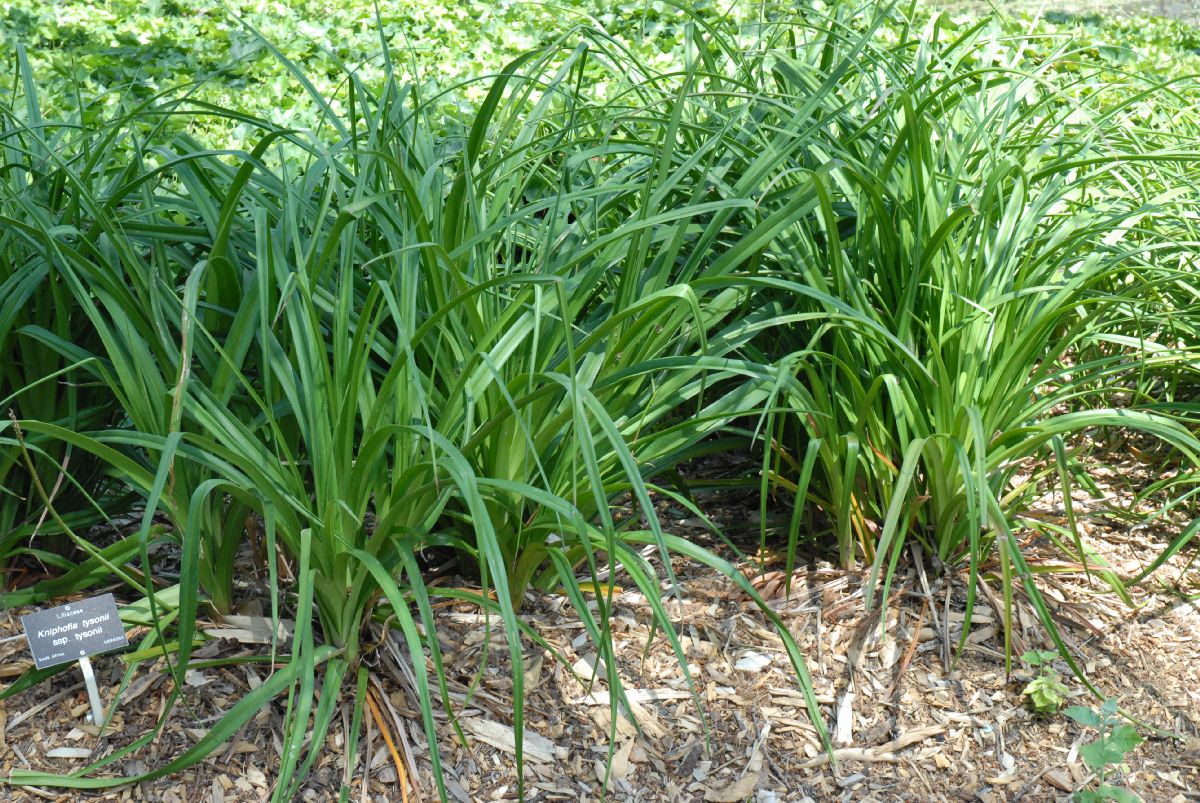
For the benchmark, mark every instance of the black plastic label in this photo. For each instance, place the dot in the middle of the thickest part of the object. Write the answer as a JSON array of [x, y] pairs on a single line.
[[71, 631]]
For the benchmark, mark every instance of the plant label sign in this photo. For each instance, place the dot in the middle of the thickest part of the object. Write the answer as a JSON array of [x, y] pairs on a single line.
[[73, 631]]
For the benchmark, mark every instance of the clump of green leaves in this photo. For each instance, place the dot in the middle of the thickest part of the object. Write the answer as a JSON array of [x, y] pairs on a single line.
[[1046, 692], [1106, 754], [409, 328]]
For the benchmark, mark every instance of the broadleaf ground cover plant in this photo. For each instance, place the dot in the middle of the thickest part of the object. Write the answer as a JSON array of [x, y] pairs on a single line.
[[1103, 755], [901, 259]]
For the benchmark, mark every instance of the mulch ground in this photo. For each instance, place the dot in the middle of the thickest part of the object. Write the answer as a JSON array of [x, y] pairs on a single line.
[[909, 723]]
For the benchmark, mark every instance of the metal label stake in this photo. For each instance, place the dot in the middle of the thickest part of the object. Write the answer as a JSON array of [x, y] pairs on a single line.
[[89, 680]]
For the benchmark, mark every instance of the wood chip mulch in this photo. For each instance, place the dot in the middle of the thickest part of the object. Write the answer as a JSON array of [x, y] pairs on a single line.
[[908, 723]]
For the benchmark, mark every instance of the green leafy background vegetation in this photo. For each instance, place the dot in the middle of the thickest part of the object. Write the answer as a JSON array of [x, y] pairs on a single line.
[[122, 49]]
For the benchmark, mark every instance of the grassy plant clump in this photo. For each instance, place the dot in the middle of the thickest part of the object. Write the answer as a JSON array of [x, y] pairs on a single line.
[[411, 340], [915, 261], [1006, 236]]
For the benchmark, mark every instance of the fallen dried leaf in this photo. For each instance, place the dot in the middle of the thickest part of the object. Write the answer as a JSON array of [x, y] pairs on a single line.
[[502, 737], [250, 629]]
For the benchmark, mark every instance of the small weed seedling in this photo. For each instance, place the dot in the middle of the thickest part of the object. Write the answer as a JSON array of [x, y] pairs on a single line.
[[1046, 692], [1106, 753]]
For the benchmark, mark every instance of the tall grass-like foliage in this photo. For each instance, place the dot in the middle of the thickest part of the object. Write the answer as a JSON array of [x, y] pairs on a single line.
[[397, 338], [984, 213], [908, 260], [37, 380]]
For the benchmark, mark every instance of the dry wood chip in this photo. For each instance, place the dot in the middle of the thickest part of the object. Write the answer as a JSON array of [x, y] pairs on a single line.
[[256, 776], [502, 737], [752, 662], [797, 696], [69, 752], [851, 780], [1172, 778], [252, 678], [1059, 780], [645, 717], [871, 754], [1191, 750], [750, 778], [196, 678], [885, 752], [456, 791], [889, 653], [620, 769], [1002, 780], [982, 634], [634, 696], [620, 763], [590, 668], [911, 737], [843, 731], [689, 754]]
